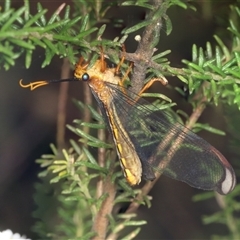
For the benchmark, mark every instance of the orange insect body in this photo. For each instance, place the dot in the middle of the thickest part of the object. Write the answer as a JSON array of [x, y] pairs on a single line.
[[98, 74], [97, 78]]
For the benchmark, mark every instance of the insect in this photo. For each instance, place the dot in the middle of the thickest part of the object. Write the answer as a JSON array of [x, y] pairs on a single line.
[[147, 140]]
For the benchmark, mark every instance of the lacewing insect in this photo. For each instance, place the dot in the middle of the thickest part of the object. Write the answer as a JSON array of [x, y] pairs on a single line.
[[150, 141]]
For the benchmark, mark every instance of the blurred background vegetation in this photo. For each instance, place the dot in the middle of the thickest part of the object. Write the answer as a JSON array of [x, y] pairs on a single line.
[[28, 123]]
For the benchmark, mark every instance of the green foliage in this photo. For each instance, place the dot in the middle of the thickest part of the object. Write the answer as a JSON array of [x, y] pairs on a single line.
[[229, 205], [61, 34], [219, 66], [74, 173], [226, 215]]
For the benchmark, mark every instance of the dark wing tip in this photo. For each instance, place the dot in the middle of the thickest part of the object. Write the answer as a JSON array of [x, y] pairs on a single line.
[[228, 181], [227, 184]]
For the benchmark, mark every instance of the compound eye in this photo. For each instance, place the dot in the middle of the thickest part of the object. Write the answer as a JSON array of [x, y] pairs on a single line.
[[85, 77]]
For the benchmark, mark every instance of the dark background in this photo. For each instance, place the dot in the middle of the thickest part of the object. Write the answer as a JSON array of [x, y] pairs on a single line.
[[28, 126]]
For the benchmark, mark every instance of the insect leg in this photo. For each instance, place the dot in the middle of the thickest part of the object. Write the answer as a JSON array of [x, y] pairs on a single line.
[[121, 61], [149, 84]]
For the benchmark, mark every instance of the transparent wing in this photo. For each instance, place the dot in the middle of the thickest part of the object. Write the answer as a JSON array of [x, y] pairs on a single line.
[[169, 147]]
